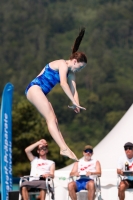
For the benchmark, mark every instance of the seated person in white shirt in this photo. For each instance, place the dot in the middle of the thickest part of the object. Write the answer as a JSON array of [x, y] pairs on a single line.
[[40, 166], [125, 163], [88, 167]]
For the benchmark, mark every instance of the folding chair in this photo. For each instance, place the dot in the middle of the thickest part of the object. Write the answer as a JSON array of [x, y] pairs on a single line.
[[35, 191], [81, 194]]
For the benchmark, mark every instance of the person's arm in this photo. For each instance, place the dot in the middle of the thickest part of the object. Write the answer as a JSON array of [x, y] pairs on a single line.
[[72, 84], [98, 170], [30, 148], [52, 170], [63, 70], [74, 171], [120, 166], [120, 172]]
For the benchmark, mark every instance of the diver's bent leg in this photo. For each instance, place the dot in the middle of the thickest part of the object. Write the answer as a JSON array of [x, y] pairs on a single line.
[[39, 100]]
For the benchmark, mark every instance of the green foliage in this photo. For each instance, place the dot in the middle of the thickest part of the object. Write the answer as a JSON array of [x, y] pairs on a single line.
[[34, 33]]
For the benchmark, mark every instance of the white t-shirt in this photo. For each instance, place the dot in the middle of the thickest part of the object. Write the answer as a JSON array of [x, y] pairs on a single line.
[[87, 166], [39, 167], [121, 165]]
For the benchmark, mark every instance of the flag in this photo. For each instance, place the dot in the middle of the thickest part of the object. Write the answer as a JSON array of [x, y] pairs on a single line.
[[6, 140]]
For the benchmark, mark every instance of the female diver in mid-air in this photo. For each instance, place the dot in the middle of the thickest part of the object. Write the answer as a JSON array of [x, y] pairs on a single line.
[[63, 72]]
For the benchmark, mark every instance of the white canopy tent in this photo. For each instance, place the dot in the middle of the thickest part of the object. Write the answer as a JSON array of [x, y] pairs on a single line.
[[107, 152]]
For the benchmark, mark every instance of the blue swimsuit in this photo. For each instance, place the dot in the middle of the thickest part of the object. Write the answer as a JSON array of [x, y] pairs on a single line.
[[47, 80]]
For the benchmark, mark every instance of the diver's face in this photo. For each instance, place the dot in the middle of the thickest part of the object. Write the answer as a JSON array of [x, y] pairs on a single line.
[[77, 66]]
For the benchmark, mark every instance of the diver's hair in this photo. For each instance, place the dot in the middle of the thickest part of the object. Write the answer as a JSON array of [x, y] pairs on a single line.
[[78, 40], [79, 56]]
